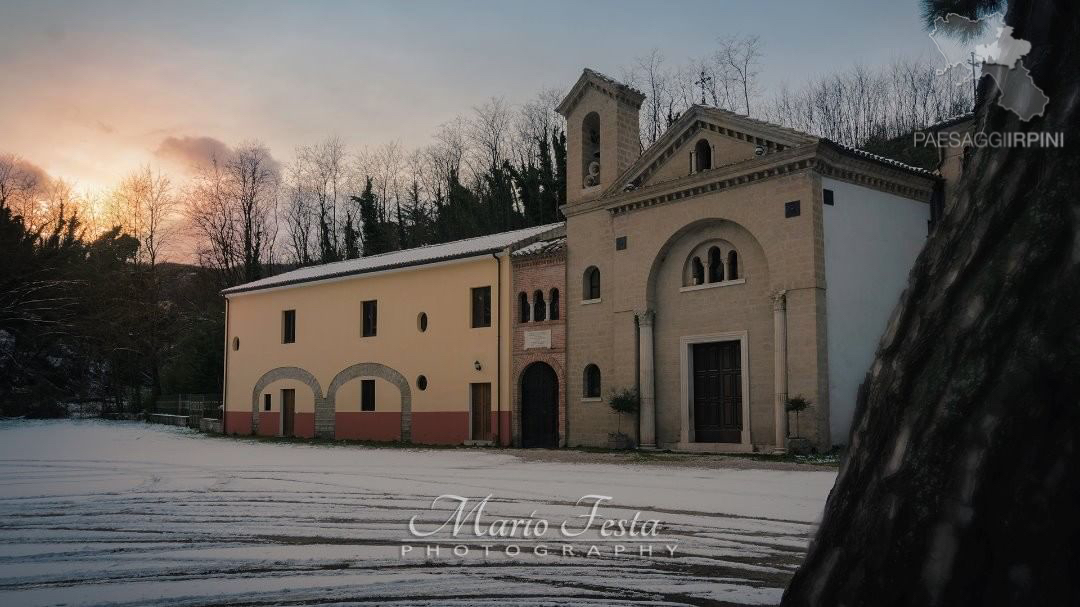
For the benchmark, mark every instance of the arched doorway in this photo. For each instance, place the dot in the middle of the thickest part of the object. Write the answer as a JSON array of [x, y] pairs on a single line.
[[539, 406]]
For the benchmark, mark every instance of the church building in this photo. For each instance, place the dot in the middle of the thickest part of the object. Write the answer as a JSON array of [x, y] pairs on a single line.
[[730, 266], [725, 270]]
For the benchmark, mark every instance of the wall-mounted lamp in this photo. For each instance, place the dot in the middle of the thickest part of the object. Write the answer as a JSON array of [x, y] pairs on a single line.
[[476, 365]]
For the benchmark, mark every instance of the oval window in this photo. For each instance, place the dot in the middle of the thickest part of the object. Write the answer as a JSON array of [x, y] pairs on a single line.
[[421, 322], [421, 382], [236, 343]]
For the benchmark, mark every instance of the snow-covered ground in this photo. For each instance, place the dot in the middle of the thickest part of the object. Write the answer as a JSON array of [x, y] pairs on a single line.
[[96, 513]]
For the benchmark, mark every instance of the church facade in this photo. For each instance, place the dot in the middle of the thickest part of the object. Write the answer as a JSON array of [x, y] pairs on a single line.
[[729, 267]]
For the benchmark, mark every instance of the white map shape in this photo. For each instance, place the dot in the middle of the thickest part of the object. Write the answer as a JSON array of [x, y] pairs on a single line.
[[990, 43], [956, 37], [1004, 50]]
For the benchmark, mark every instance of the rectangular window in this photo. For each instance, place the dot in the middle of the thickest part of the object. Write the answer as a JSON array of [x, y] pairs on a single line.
[[828, 197], [481, 307], [367, 394], [266, 402], [792, 209], [371, 318], [620, 243], [288, 326]]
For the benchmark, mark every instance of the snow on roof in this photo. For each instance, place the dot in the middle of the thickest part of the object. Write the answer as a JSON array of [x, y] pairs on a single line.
[[881, 159], [541, 247], [951, 121], [458, 249]]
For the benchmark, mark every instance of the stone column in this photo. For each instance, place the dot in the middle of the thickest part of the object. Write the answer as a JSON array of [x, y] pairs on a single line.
[[780, 380], [647, 413]]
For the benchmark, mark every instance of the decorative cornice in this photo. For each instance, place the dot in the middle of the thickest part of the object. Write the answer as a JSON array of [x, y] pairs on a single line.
[[773, 138], [822, 158]]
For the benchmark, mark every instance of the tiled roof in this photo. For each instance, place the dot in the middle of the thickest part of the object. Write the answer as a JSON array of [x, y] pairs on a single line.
[[469, 247]]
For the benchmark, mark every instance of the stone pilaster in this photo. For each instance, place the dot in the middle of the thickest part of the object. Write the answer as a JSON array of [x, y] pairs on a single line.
[[646, 380], [780, 369]]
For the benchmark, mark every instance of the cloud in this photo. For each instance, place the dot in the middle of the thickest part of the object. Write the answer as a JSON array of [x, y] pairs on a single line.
[[191, 152], [22, 166], [105, 127]]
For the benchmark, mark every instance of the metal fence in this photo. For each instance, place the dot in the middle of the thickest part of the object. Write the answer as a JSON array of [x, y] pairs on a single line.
[[193, 407]]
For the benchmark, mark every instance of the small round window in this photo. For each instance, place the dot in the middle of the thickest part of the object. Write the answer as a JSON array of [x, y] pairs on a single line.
[[421, 322], [236, 343], [421, 382]]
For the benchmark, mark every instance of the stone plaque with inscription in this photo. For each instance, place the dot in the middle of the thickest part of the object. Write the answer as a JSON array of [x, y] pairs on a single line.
[[537, 339]]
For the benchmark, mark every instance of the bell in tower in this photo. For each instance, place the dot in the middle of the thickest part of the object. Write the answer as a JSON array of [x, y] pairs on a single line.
[[590, 150], [602, 136]]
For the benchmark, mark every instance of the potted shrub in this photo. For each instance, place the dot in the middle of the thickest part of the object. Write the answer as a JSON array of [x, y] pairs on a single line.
[[623, 401], [797, 443]]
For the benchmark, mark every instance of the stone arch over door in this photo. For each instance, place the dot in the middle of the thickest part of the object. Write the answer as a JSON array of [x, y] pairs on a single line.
[[368, 370], [294, 373], [675, 319]]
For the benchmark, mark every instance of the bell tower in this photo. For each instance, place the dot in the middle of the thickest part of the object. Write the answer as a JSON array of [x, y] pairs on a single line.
[[602, 133]]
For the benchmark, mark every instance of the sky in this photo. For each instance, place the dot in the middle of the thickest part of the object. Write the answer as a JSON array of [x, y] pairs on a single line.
[[94, 89]]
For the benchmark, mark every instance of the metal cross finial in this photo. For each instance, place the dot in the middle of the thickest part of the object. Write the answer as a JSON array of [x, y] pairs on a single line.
[[703, 81]]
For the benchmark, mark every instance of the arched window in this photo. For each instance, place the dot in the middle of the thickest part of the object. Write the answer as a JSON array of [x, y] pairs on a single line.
[[712, 262], [716, 265], [697, 271], [523, 306], [591, 284], [592, 381], [702, 156], [539, 307], [553, 303], [590, 150]]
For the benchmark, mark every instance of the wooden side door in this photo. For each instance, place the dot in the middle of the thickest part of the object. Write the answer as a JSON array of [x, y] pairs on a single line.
[[288, 411], [480, 408]]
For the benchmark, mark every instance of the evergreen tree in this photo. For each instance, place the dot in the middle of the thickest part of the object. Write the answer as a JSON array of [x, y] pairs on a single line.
[[327, 251], [351, 238], [373, 229]]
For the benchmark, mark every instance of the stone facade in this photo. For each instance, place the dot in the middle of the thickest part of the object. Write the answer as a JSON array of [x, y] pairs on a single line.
[[762, 197]]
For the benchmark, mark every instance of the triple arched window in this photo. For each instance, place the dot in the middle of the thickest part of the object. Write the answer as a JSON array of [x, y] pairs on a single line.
[[713, 262], [539, 308]]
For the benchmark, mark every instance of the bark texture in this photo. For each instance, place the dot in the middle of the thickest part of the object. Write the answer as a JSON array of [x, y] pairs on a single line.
[[962, 482]]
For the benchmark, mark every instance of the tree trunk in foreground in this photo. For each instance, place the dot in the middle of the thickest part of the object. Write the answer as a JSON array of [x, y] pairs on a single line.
[[962, 483]]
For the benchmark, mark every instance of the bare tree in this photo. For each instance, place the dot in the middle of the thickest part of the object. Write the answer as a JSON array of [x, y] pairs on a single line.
[[742, 57], [254, 178], [212, 220], [299, 210], [490, 131], [22, 188], [327, 178], [144, 205], [861, 103], [650, 73]]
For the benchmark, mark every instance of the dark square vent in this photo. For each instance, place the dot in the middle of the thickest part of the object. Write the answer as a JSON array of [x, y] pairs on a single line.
[[792, 209]]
